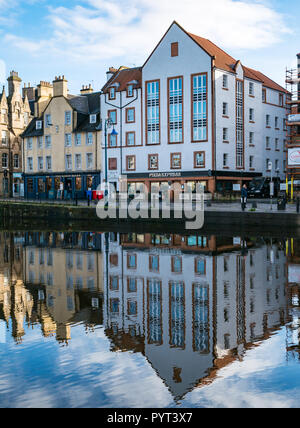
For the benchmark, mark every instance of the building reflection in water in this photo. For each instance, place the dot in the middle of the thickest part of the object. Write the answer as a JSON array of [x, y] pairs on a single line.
[[190, 304]]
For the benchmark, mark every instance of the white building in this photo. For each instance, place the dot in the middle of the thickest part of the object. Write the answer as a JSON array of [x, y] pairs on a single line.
[[199, 116]]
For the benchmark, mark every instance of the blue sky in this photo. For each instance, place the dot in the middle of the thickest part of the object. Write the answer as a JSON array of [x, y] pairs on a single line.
[[82, 38]]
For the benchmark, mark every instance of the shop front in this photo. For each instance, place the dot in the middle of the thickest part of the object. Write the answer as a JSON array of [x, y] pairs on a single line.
[[18, 185], [60, 186]]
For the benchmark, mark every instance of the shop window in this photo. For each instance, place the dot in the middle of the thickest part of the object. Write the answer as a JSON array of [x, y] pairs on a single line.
[[41, 185], [30, 185], [78, 183]]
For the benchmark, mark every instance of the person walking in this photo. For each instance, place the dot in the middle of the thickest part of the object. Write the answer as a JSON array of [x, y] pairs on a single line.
[[244, 196]]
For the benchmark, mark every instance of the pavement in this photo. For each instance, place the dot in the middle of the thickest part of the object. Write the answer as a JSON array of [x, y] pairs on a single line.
[[262, 205]]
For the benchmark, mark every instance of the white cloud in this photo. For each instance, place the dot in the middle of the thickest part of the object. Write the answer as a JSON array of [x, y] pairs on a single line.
[[108, 29]]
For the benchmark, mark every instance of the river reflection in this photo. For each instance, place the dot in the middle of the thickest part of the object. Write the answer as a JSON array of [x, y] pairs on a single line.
[[146, 320]]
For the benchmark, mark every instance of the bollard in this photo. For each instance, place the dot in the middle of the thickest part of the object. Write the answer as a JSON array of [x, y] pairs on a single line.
[[254, 205], [76, 199], [88, 201]]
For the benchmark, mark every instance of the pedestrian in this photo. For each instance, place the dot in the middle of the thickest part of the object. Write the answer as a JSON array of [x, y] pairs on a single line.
[[244, 196]]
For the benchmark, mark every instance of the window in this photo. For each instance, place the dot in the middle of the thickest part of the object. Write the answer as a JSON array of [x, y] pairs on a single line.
[[48, 163], [251, 161], [199, 160], [225, 81], [4, 138], [264, 96], [276, 122], [129, 90], [251, 88], [68, 116], [175, 121], [40, 163], [112, 164], [132, 307], [281, 100], [154, 263], [77, 139], [39, 124], [68, 140], [225, 159], [268, 143], [153, 162], [276, 164], [174, 49], [48, 141], [200, 266], [4, 160], [68, 162], [29, 164], [78, 161], [176, 264], [175, 160], [130, 138], [93, 118], [153, 113], [251, 138], [267, 120], [251, 115], [89, 138], [40, 142], [276, 143], [114, 283], [29, 144], [131, 285], [130, 163], [48, 120], [199, 107], [30, 185], [112, 115], [131, 261], [239, 124], [225, 134], [112, 140], [267, 164], [130, 115], [89, 160], [16, 161], [225, 109], [112, 93]]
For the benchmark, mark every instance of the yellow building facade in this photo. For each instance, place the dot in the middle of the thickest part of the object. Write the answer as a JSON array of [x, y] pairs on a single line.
[[62, 144]]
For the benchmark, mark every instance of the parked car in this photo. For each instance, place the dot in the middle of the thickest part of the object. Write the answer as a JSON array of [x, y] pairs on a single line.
[[259, 187]]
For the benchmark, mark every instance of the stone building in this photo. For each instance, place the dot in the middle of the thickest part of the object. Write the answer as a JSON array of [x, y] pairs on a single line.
[[15, 115]]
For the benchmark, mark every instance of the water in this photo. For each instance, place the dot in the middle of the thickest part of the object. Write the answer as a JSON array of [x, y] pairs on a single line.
[[144, 320]]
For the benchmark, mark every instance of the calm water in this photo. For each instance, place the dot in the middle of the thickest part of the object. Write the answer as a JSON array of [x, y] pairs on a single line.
[[126, 320]]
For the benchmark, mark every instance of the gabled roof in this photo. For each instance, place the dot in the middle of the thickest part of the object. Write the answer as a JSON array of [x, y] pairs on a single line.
[[123, 76], [224, 61]]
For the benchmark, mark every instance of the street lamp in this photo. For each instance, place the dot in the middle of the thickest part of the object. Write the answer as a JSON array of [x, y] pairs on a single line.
[[108, 124], [121, 107]]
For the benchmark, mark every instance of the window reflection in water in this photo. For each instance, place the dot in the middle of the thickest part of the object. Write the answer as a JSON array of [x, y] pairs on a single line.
[[198, 301]]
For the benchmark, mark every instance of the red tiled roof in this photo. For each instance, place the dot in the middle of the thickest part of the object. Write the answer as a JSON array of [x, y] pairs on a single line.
[[123, 76], [228, 63]]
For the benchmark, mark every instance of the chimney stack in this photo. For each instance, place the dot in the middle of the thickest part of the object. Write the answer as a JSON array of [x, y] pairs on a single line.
[[86, 90], [60, 87]]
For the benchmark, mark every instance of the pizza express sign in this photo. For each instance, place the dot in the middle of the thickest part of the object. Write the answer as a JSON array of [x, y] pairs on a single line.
[[294, 157]]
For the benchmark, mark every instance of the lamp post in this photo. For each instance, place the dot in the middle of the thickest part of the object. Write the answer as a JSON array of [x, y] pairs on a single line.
[[107, 124], [121, 107]]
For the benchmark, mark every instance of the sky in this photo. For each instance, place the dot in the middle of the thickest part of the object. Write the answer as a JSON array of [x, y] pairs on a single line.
[[81, 39]]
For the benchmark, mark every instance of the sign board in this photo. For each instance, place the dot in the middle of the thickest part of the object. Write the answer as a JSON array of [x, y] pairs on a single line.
[[294, 157], [270, 166], [293, 118], [236, 187], [271, 189]]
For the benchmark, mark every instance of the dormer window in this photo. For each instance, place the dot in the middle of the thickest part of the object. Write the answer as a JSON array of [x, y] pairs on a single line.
[[130, 91], [112, 93], [93, 118], [39, 124]]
